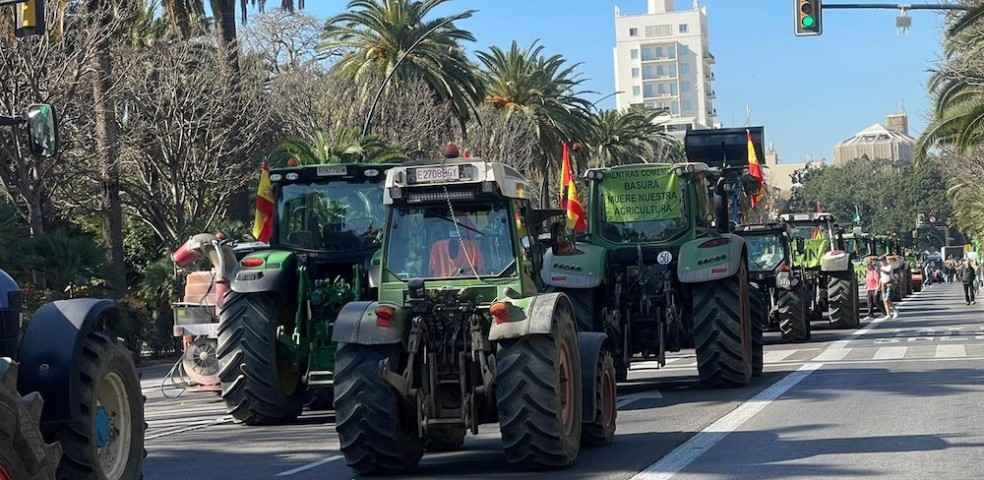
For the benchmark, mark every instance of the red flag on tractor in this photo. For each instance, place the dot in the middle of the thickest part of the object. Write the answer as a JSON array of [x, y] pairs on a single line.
[[568, 196], [755, 170], [263, 221]]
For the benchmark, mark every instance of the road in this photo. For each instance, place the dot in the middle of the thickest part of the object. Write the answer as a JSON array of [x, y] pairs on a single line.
[[896, 399]]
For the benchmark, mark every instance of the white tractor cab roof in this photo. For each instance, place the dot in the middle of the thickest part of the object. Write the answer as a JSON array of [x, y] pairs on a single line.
[[454, 179], [679, 168], [821, 217]]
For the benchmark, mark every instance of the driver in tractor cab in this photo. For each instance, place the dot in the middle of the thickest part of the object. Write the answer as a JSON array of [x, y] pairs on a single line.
[[459, 251]]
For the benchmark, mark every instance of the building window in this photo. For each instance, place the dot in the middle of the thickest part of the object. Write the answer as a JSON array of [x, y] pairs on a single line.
[[684, 28], [672, 51], [647, 54], [661, 89], [635, 72], [675, 108], [684, 50], [673, 88], [684, 68], [687, 105], [634, 54], [636, 91], [647, 72], [659, 30], [673, 71], [647, 91], [659, 52], [633, 32], [660, 71], [685, 86]]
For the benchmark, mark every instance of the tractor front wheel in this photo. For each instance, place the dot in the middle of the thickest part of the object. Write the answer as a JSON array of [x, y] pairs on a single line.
[[759, 306], [23, 452], [539, 396], [601, 429], [794, 324], [258, 385], [842, 294], [723, 330], [377, 429]]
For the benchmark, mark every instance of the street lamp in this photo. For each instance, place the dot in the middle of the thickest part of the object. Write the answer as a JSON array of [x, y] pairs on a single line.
[[408, 51]]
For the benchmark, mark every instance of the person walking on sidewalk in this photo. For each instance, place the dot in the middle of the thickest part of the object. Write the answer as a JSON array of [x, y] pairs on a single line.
[[885, 285], [871, 285], [967, 275]]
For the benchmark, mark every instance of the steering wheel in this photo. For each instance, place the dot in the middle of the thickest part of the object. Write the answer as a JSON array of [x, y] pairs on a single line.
[[360, 225]]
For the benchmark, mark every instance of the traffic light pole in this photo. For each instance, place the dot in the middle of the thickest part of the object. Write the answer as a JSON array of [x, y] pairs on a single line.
[[894, 6]]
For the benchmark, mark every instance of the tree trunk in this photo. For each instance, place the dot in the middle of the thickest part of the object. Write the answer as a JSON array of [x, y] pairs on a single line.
[[108, 154]]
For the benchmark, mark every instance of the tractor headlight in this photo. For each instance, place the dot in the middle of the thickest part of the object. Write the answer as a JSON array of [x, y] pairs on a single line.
[[276, 177], [396, 193], [292, 176]]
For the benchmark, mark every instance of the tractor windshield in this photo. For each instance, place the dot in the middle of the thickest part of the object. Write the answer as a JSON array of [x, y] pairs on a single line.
[[765, 252], [641, 205], [429, 241], [332, 217]]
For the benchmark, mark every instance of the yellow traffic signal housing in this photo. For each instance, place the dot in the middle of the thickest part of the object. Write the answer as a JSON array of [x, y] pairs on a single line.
[[29, 18], [809, 18]]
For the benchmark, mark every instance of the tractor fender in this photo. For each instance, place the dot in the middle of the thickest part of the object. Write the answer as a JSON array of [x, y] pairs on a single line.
[[583, 269], [709, 259], [356, 323], [835, 261], [278, 274], [50, 350], [589, 345], [534, 317], [10, 309]]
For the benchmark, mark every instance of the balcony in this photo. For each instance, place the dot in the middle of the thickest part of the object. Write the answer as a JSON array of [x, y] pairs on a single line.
[[659, 95], [709, 76], [711, 94], [653, 58], [709, 58], [656, 78]]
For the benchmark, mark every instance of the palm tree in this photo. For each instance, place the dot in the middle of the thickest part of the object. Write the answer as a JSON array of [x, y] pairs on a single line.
[[631, 136], [347, 146], [377, 34], [544, 90]]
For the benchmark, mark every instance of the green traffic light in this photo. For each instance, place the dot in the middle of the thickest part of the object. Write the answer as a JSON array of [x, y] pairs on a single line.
[[807, 21]]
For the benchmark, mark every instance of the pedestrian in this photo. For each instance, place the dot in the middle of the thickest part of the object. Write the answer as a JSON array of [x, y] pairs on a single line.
[[875, 305], [885, 285], [967, 275], [927, 274], [951, 272]]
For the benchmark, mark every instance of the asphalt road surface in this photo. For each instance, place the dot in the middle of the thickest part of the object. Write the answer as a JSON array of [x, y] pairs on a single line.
[[897, 399]]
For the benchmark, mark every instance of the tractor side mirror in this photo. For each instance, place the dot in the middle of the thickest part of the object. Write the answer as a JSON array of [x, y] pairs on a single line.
[[42, 130], [800, 245], [561, 242]]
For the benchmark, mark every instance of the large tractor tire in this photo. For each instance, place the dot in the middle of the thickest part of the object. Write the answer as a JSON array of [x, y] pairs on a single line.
[[759, 307], [107, 441], [723, 330], [601, 430], [23, 452], [377, 429], [842, 295], [538, 392], [794, 323], [258, 386]]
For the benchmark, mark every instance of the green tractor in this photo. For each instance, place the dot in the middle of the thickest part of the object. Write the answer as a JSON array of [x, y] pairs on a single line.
[[660, 270], [779, 281], [831, 281], [462, 334], [274, 348], [860, 246]]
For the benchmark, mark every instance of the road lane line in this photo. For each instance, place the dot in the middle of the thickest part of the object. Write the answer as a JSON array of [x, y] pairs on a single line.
[[832, 355], [683, 455], [309, 466], [774, 356], [890, 353], [950, 351]]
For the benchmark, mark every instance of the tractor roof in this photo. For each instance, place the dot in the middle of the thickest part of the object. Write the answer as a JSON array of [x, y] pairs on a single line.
[[481, 175], [330, 172], [807, 218], [764, 228]]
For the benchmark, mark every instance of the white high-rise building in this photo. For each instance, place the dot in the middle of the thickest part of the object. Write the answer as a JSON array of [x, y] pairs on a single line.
[[662, 60]]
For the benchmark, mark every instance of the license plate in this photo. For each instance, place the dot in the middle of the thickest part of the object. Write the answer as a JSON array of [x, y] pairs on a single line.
[[327, 171], [435, 174]]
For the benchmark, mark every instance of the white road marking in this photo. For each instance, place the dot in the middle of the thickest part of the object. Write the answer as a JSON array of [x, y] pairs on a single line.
[[627, 399], [680, 457], [890, 353], [309, 466], [950, 351], [774, 356], [832, 355]]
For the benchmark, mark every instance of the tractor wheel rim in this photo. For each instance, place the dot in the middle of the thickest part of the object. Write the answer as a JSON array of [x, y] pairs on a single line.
[[566, 390], [113, 421], [608, 399]]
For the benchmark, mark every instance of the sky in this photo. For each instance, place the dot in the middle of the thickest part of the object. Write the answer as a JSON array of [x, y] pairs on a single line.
[[808, 92]]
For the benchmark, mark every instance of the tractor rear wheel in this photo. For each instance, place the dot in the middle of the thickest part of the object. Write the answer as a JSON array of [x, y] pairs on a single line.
[[601, 429], [258, 385], [444, 439], [23, 452], [377, 429], [538, 392], [723, 330], [794, 325], [842, 294], [107, 440], [759, 307]]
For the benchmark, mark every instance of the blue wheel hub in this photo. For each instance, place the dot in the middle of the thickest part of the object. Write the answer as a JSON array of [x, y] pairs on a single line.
[[102, 427]]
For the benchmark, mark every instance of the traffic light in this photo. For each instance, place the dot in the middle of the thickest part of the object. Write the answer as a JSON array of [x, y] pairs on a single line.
[[809, 19], [29, 18]]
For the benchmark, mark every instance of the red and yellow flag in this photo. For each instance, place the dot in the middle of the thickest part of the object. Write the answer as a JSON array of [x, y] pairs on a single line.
[[755, 170], [263, 222], [818, 232], [568, 196]]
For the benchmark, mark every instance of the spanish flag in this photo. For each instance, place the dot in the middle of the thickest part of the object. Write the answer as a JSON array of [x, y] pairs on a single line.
[[568, 196], [755, 170], [263, 222]]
